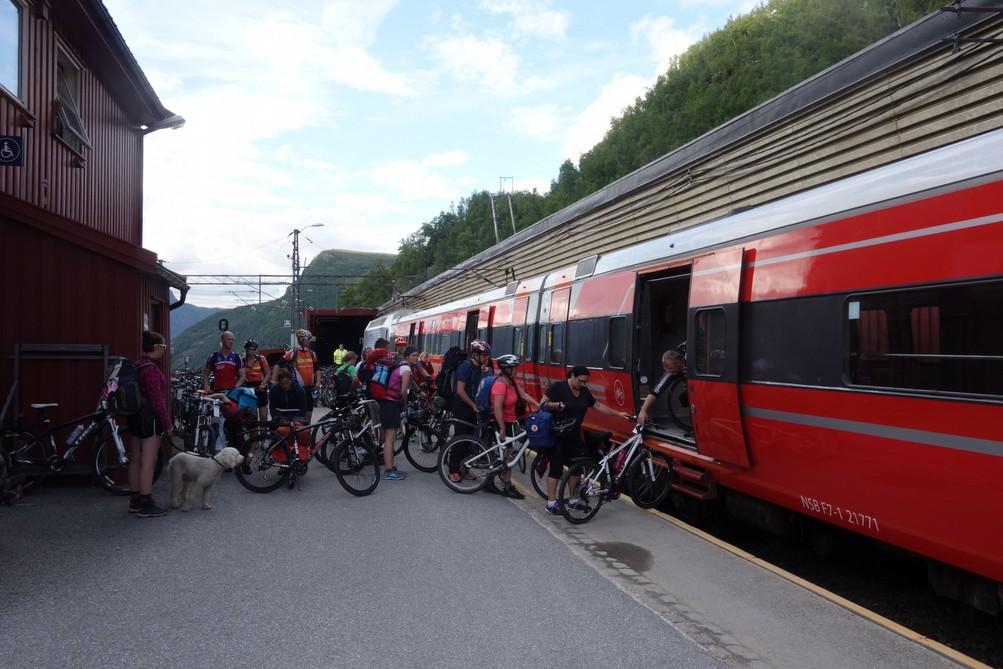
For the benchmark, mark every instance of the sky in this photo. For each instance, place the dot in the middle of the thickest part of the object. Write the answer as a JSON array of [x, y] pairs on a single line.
[[372, 116]]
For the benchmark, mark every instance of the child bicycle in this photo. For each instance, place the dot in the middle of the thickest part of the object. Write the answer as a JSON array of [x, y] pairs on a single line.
[[588, 483]]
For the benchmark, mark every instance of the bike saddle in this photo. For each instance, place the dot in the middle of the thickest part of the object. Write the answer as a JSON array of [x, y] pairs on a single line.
[[44, 406]]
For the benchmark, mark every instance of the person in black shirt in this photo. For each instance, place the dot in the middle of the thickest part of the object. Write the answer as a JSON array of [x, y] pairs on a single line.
[[573, 399], [468, 379]]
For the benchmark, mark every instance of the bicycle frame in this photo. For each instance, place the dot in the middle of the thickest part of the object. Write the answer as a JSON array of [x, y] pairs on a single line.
[[501, 446], [96, 417], [632, 444]]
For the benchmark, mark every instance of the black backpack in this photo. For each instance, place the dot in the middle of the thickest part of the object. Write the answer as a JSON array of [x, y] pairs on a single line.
[[342, 380], [445, 381], [128, 398]]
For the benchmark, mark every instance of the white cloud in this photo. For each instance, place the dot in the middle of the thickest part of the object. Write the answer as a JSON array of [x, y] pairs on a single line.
[[531, 18], [486, 61], [418, 179], [738, 6], [539, 121], [538, 183], [592, 124], [446, 158], [664, 38]]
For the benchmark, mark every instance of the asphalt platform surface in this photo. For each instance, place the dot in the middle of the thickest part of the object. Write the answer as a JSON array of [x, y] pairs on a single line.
[[410, 576]]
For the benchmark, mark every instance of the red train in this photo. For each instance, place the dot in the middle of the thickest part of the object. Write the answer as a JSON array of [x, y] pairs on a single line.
[[845, 353]]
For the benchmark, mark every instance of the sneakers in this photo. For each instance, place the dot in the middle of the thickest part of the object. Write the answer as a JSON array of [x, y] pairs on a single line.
[[394, 475], [151, 510], [552, 509], [135, 504], [577, 504]]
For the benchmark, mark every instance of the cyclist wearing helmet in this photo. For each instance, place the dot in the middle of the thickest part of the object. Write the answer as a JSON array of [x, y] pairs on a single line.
[[400, 343], [302, 362], [468, 379], [505, 394], [256, 375]]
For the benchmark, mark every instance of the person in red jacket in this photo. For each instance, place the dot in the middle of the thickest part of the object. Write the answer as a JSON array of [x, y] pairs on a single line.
[[148, 426]]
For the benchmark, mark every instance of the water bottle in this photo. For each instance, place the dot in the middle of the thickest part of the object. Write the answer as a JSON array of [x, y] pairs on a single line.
[[75, 436]]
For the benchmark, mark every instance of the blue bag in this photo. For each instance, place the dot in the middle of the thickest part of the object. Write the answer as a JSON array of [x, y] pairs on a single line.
[[244, 398], [538, 426], [483, 399]]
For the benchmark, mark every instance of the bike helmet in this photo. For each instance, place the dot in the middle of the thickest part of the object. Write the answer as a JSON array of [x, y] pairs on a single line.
[[400, 341], [508, 361], [480, 346], [303, 333], [250, 343]]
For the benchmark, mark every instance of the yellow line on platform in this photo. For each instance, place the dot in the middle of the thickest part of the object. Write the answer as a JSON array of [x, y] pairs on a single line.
[[876, 618]]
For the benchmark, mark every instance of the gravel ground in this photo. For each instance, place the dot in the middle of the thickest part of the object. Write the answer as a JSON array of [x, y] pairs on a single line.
[[411, 576]]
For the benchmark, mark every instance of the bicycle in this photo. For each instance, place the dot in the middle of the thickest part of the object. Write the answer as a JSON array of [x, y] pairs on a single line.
[[587, 484], [279, 458], [35, 456], [485, 461], [427, 428]]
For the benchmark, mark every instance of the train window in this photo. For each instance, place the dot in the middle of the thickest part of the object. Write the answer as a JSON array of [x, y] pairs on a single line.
[[557, 344], [501, 342], [517, 342], [530, 348], [945, 339], [617, 355], [710, 346], [587, 342], [543, 345]]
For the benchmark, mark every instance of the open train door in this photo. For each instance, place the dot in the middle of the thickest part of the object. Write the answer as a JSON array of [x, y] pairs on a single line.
[[712, 356]]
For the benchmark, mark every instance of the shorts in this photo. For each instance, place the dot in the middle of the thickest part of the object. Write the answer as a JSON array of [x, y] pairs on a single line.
[[144, 424], [259, 394], [308, 391], [390, 414]]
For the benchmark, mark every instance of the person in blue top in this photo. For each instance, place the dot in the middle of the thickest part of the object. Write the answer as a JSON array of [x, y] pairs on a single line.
[[468, 379]]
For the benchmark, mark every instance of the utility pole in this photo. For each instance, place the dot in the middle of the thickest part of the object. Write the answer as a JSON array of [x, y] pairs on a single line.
[[297, 312], [508, 193], [494, 217]]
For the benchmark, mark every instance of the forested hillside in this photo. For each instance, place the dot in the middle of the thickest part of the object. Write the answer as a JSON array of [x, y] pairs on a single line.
[[753, 58], [266, 321]]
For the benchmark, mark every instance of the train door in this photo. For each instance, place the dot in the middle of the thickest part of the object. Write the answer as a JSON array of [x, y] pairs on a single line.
[[559, 302], [411, 340], [660, 325], [470, 330], [712, 356]]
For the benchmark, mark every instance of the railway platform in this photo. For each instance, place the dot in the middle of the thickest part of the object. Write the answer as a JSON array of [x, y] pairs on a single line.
[[741, 610]]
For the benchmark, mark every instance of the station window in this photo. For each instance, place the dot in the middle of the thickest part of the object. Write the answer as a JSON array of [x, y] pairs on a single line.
[[944, 338], [11, 23], [709, 349], [617, 354], [69, 126]]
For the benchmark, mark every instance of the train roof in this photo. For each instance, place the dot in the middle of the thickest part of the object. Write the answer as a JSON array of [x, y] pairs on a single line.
[[964, 161], [881, 57]]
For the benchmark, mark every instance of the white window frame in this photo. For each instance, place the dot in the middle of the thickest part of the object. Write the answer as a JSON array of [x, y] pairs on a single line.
[[73, 139]]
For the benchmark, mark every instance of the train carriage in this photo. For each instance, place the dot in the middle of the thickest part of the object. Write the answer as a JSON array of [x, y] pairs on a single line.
[[845, 353]]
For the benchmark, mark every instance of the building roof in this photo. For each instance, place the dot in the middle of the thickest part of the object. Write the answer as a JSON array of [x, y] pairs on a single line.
[[880, 58]]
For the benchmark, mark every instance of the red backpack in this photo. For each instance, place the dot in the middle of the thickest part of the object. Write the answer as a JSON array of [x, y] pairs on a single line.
[[379, 383]]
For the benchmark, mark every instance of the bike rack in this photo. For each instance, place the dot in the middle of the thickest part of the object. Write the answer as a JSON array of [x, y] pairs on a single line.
[[23, 352]]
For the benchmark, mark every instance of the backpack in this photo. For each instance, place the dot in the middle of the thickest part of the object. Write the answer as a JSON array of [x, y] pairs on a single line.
[[379, 385], [128, 398], [538, 426], [342, 380], [445, 381], [483, 397]]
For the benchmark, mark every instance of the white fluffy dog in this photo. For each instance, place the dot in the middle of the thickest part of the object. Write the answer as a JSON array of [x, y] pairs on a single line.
[[193, 475]]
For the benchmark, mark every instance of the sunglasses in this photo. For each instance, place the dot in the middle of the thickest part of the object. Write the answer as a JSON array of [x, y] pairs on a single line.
[[160, 346]]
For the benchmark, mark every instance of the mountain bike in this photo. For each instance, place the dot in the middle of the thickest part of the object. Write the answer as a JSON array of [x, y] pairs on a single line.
[[36, 456], [588, 483], [427, 430], [485, 461], [280, 458]]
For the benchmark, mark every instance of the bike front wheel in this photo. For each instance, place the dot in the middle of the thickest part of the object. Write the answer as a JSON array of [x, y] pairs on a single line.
[[421, 447], [357, 466], [108, 470], [539, 470], [649, 479], [475, 461], [30, 456], [582, 490], [266, 465]]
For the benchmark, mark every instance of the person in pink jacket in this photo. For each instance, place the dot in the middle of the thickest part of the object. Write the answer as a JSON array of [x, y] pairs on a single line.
[[148, 426]]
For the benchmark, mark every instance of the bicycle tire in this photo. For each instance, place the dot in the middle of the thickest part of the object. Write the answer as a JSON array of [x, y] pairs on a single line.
[[357, 467], [591, 479], [30, 456], [109, 472], [645, 492], [267, 463], [477, 454], [421, 448], [365, 437], [678, 401], [321, 453], [539, 471]]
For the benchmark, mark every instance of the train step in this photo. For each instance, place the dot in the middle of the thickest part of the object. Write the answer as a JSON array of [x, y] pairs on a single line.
[[692, 474], [696, 492]]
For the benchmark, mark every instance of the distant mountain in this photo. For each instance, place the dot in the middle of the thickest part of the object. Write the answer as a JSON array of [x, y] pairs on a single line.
[[187, 315], [265, 322]]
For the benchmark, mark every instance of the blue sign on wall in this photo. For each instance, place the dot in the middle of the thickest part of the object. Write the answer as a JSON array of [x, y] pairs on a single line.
[[11, 150]]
